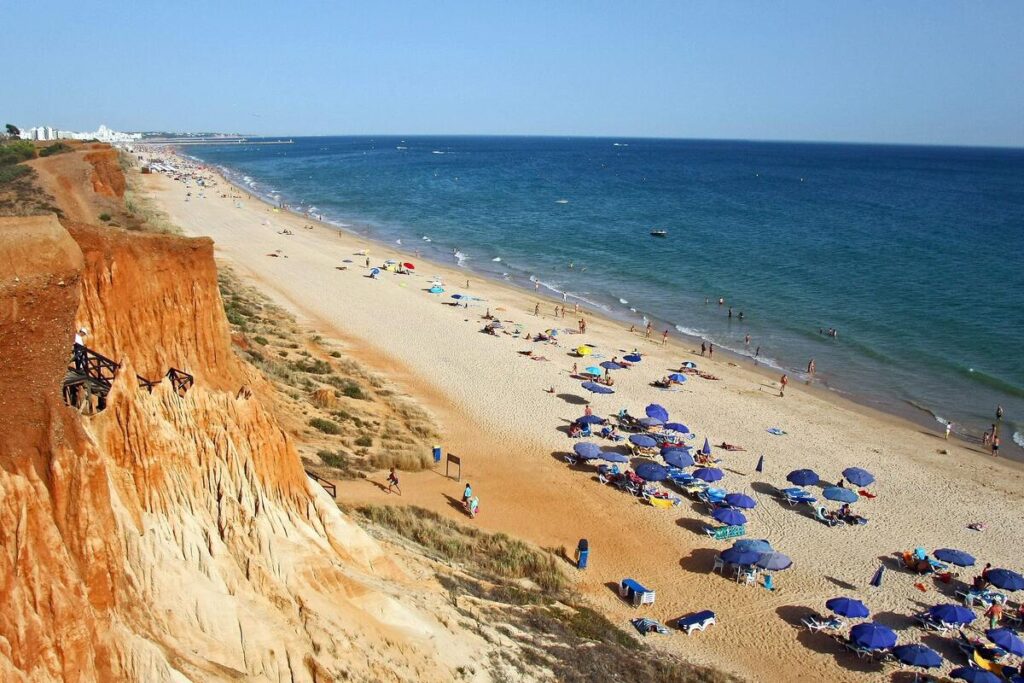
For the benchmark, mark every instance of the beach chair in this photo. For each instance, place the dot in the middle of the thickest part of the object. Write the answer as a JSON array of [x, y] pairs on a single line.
[[816, 624], [723, 533], [861, 652], [635, 594], [972, 646], [925, 621], [795, 495], [985, 598], [698, 621], [586, 431], [662, 503], [571, 460], [819, 514], [645, 626], [719, 565]]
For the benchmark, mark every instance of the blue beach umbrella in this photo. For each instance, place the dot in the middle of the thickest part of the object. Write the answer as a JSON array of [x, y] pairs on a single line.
[[1006, 579], [740, 500], [1006, 639], [972, 675], [876, 579], [858, 476], [458, 296], [951, 614], [650, 471], [611, 365], [918, 655], [708, 474], [657, 412], [848, 607], [774, 562], [677, 458], [689, 364], [742, 557], [957, 557], [650, 422], [592, 370], [675, 447], [707, 447], [596, 388], [754, 545], [803, 477], [872, 636], [760, 464], [633, 358], [677, 427], [587, 451], [839, 494], [590, 420], [613, 456], [729, 516], [643, 441], [676, 377]]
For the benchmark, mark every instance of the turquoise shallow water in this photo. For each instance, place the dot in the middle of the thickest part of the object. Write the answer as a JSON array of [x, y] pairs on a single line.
[[914, 254]]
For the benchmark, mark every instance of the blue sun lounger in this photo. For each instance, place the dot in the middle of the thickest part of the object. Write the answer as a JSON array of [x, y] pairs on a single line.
[[698, 621], [795, 495], [635, 594]]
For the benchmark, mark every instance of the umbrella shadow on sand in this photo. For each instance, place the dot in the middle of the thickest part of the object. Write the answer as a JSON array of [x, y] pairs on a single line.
[[839, 583], [699, 561], [691, 524], [573, 399]]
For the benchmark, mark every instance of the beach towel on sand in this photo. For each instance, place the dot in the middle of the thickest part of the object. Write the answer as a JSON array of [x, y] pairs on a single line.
[[776, 431]]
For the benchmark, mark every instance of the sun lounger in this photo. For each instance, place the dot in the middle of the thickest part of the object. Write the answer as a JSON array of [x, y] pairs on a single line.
[[819, 514], [971, 647], [571, 460], [645, 626], [635, 594], [816, 624], [698, 621], [663, 503], [985, 598], [795, 495], [926, 622], [722, 533]]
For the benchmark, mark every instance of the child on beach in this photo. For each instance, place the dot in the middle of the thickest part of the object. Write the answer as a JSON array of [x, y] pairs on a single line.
[[393, 482]]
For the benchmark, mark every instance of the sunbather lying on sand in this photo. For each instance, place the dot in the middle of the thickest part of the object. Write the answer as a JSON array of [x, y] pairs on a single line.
[[731, 447]]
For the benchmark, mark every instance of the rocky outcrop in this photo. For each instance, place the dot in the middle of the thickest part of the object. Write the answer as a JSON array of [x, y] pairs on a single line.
[[172, 538], [107, 178]]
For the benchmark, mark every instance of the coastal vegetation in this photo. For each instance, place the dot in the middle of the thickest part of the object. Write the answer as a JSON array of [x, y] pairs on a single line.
[[20, 194]]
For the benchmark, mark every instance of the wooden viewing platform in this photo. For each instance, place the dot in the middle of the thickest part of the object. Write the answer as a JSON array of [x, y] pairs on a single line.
[[92, 374]]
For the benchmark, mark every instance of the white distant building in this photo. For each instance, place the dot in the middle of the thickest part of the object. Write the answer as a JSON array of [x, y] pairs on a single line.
[[103, 134]]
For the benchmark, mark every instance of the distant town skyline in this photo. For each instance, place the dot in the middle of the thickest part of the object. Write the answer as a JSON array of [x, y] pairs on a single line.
[[945, 73]]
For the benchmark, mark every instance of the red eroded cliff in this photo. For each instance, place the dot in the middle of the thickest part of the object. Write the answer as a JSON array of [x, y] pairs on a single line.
[[107, 178], [168, 537]]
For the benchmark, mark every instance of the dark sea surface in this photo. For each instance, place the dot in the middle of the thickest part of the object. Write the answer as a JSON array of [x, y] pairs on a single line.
[[914, 254]]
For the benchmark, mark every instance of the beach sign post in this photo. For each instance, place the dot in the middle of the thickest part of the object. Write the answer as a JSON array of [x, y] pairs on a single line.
[[453, 460]]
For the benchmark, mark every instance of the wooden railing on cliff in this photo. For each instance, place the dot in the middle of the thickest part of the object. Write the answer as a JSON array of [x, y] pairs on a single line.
[[93, 373], [328, 486]]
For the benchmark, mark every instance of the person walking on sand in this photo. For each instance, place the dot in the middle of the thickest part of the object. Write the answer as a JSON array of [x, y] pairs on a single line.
[[575, 369], [647, 332], [994, 613], [393, 482], [664, 337], [703, 348], [949, 428], [711, 350], [995, 445], [588, 410], [467, 493], [784, 380], [536, 309]]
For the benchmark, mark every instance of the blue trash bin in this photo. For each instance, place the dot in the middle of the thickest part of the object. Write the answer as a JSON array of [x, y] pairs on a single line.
[[582, 554], [437, 454]]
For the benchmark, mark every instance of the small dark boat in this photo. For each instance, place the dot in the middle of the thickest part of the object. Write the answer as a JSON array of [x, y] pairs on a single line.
[[659, 233]]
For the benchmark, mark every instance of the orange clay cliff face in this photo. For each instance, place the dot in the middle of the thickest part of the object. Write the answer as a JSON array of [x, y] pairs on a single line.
[[173, 538]]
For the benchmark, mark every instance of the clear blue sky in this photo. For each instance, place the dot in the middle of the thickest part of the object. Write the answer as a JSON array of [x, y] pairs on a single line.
[[927, 71]]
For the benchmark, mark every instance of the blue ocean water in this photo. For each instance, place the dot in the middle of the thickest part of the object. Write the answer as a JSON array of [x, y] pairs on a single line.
[[914, 254]]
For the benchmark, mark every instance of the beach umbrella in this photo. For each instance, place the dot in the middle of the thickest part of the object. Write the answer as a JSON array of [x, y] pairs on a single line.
[[657, 412], [610, 365], [675, 447], [957, 557], [876, 580], [729, 517], [848, 607], [972, 675], [742, 557], [584, 350], [841, 495], [643, 441], [872, 636], [1005, 579], [760, 464], [409, 266], [677, 427], [740, 500], [918, 655], [458, 296], [707, 447], [689, 365], [774, 562], [1006, 639], [590, 420], [375, 271], [595, 388], [632, 358], [613, 456], [708, 474], [436, 290], [858, 476], [650, 422], [951, 614], [676, 377], [587, 451], [677, 458], [756, 545], [592, 370], [803, 477], [650, 471]]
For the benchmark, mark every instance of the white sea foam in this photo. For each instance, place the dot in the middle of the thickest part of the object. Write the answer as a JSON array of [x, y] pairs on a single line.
[[460, 258], [437, 151], [561, 201], [401, 147], [689, 331], [496, 259], [426, 239], [623, 301], [1018, 439], [398, 241]]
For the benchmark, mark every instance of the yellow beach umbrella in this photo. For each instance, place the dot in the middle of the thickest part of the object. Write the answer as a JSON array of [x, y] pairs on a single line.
[[584, 350]]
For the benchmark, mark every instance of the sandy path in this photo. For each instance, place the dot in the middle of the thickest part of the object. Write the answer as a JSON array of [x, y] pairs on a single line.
[[496, 415]]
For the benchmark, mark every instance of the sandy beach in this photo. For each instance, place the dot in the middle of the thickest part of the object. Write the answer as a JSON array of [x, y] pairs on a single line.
[[497, 415]]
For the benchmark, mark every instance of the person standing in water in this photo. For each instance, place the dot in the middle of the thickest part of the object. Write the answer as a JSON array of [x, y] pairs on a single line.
[[647, 332], [949, 428], [746, 340], [711, 350], [811, 367]]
